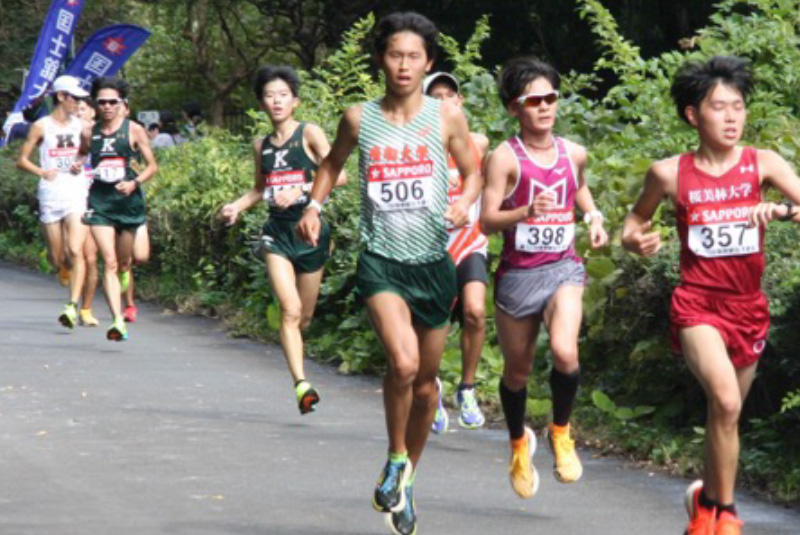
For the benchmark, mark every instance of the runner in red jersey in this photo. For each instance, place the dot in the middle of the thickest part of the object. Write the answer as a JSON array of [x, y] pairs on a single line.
[[719, 315], [534, 181], [467, 247]]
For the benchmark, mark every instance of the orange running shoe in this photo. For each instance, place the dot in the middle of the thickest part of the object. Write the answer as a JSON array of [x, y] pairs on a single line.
[[728, 524], [522, 473], [701, 520]]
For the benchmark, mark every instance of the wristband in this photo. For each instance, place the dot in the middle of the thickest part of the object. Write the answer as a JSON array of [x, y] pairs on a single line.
[[789, 215], [588, 217], [314, 204]]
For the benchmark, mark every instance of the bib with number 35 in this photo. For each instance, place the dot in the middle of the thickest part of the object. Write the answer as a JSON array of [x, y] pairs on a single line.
[[722, 230], [110, 170]]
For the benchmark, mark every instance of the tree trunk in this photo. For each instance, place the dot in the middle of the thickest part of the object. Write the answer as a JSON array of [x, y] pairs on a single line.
[[217, 111]]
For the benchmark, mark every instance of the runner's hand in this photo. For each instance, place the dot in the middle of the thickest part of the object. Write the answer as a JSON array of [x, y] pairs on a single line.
[[76, 168], [49, 175], [457, 214], [542, 203], [126, 187], [597, 234], [763, 213], [286, 198], [308, 227], [229, 214], [645, 243]]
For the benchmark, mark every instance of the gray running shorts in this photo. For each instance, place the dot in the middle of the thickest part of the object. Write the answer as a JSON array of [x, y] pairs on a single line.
[[523, 292]]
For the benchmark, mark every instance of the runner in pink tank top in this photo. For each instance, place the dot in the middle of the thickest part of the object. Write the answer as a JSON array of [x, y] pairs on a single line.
[[533, 184]]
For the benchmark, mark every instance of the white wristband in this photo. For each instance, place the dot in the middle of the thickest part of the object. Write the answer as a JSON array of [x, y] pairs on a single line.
[[314, 204], [588, 217]]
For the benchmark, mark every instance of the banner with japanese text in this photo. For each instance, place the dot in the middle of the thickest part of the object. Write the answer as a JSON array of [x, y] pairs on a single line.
[[106, 52]]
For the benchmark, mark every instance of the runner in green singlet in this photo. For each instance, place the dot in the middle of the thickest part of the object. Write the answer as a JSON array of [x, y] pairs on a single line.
[[116, 203], [404, 273], [286, 161]]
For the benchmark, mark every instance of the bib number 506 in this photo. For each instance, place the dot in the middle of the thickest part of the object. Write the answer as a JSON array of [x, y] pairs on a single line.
[[401, 191]]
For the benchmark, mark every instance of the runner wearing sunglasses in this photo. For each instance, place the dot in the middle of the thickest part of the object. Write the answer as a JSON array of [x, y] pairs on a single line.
[[404, 274], [62, 190], [534, 181], [116, 203], [468, 247], [719, 314], [285, 164]]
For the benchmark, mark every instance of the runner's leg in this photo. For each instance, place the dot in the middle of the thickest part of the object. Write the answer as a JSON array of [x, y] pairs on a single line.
[[76, 236], [473, 297], [517, 339], [284, 284], [106, 239]]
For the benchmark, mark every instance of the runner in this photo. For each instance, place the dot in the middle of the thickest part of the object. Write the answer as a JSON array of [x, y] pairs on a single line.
[[86, 114], [719, 315], [286, 161], [468, 247], [534, 181], [141, 254], [404, 273], [61, 192], [116, 203]]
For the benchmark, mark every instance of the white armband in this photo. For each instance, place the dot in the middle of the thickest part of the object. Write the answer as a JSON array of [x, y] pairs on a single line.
[[588, 217], [314, 204]]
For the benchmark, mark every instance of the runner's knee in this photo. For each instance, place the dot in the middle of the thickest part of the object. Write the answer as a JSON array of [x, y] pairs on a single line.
[[425, 393], [565, 355], [515, 375], [474, 317], [403, 370], [305, 321], [726, 407], [291, 316]]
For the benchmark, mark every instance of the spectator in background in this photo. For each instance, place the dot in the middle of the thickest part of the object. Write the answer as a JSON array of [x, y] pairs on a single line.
[[193, 115]]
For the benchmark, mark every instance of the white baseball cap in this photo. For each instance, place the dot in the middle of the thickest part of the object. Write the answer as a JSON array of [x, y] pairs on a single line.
[[69, 84], [440, 77]]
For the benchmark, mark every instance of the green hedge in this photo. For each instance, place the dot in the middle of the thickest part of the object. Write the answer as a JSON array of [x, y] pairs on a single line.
[[636, 399]]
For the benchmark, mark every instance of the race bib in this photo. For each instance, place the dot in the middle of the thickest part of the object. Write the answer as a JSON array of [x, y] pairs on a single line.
[[278, 181], [553, 232], [400, 186], [719, 231], [110, 170]]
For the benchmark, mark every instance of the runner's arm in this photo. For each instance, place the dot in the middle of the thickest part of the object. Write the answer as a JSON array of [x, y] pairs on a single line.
[[457, 141], [143, 144], [777, 172], [584, 200], [230, 212], [329, 170], [23, 162], [318, 143], [636, 234], [83, 149]]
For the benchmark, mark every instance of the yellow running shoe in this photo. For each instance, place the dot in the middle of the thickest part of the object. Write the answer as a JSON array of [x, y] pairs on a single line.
[[63, 275], [124, 280], [88, 319], [522, 473], [566, 464]]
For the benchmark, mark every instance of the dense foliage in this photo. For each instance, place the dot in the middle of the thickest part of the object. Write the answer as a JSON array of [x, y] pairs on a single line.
[[635, 399]]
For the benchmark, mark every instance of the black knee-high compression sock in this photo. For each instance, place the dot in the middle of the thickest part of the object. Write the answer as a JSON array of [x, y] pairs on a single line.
[[514, 409], [563, 387]]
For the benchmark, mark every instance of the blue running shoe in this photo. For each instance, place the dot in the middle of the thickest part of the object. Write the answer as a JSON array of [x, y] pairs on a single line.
[[404, 522], [469, 414], [389, 496], [440, 420]]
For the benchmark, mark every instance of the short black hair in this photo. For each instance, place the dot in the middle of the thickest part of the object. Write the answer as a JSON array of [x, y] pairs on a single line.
[[268, 73], [153, 126], [695, 80], [108, 82], [407, 21], [519, 72]]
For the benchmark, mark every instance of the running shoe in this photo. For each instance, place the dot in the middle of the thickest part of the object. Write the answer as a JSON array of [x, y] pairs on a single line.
[[728, 524], [69, 316], [117, 332], [124, 280], [87, 318], [440, 420], [63, 275], [404, 522], [130, 313], [389, 496], [522, 473], [307, 396], [469, 414], [701, 520], [566, 465]]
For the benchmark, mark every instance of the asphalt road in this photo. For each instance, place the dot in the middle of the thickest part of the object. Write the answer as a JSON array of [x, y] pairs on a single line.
[[184, 431]]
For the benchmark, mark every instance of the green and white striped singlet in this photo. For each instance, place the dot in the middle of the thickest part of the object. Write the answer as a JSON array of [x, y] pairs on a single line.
[[403, 183]]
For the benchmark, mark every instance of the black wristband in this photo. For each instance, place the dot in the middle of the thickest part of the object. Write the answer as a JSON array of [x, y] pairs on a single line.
[[789, 213]]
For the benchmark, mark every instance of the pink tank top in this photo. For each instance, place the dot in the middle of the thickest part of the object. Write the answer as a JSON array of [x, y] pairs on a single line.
[[550, 237]]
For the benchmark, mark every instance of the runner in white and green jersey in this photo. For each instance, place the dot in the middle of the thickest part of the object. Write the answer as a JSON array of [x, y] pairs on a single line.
[[404, 274], [285, 164]]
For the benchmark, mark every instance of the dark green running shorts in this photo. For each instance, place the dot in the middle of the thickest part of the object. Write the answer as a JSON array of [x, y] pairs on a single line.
[[428, 289], [280, 238], [109, 208]]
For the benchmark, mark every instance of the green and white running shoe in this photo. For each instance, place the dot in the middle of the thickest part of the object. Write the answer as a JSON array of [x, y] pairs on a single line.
[[69, 316], [118, 332]]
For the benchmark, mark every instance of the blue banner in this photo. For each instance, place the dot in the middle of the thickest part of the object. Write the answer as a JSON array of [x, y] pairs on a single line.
[[106, 52], [51, 49]]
